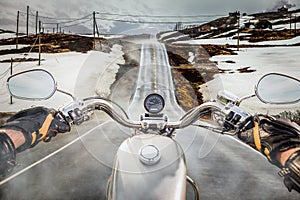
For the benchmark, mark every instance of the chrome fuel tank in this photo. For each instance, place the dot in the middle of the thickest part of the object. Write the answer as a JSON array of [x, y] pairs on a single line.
[[148, 167]]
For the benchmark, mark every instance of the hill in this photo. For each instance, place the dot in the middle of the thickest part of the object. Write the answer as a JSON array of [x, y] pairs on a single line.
[[253, 28]]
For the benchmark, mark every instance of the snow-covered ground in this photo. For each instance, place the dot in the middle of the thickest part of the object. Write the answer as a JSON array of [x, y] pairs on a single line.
[[230, 41], [76, 73], [7, 35], [264, 60], [167, 34], [286, 26], [92, 73], [8, 47]]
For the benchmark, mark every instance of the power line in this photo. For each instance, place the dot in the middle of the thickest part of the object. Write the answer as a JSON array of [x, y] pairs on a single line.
[[140, 19], [58, 20], [70, 21], [159, 16], [155, 16], [150, 22], [55, 18], [71, 24]]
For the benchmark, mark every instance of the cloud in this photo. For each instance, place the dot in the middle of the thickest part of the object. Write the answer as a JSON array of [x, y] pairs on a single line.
[[279, 3], [79, 8]]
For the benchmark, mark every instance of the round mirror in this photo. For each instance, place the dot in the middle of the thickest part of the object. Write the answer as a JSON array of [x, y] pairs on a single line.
[[33, 85], [278, 89]]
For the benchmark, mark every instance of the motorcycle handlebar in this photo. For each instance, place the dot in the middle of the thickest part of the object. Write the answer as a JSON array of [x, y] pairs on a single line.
[[103, 105], [89, 105], [193, 115]]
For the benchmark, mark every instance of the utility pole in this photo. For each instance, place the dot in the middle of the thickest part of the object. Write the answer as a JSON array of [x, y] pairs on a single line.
[[36, 22], [57, 28], [295, 25], [238, 33], [97, 28], [290, 23], [11, 72], [94, 25], [27, 21], [40, 26], [17, 32], [40, 49]]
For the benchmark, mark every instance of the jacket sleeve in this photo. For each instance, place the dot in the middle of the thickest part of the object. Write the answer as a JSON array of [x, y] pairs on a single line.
[[7, 155]]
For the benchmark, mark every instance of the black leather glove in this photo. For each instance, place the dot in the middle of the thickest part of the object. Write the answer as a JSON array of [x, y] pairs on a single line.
[[272, 135], [37, 124]]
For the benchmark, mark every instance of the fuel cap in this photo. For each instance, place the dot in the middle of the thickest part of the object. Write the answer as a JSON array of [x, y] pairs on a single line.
[[149, 155]]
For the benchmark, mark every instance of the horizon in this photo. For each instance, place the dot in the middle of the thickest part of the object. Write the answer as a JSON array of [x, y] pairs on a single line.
[[127, 16]]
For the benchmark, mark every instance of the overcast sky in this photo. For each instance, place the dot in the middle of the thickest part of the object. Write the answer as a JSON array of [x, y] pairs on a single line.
[[80, 8]]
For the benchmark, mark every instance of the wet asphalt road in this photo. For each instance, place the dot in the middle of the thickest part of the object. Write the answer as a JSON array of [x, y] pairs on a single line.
[[79, 163]]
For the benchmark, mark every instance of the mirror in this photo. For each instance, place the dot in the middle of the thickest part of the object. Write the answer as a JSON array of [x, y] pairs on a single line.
[[35, 84], [278, 89]]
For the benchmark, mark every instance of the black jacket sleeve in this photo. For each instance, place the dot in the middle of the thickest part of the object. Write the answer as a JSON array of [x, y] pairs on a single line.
[[291, 172], [7, 155]]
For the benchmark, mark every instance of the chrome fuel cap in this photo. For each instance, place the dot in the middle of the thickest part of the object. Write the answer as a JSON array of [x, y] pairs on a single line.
[[149, 155]]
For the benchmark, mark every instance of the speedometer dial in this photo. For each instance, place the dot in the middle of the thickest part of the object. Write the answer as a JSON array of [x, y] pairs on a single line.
[[154, 103]]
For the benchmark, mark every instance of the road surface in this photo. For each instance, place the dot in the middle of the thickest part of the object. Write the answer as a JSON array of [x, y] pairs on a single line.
[[78, 164]]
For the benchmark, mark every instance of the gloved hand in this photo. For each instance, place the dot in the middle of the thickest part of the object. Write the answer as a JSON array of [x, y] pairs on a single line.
[[37, 124], [272, 135]]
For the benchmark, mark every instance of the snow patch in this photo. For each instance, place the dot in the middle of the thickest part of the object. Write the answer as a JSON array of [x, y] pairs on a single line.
[[283, 60], [107, 78], [9, 47], [230, 41], [191, 58], [76, 73], [167, 34]]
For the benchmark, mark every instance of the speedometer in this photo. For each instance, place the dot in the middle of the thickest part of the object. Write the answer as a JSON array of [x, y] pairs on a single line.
[[154, 103]]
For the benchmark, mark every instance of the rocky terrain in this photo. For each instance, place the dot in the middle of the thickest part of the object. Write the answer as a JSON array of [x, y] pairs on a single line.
[[258, 27]]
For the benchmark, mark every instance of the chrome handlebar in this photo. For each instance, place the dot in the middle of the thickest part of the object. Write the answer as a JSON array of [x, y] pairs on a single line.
[[78, 112], [193, 115]]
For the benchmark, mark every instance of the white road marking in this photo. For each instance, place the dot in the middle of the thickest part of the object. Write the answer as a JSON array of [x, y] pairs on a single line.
[[155, 68], [48, 156]]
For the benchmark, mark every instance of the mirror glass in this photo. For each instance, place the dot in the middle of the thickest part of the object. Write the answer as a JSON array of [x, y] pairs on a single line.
[[278, 89], [33, 84]]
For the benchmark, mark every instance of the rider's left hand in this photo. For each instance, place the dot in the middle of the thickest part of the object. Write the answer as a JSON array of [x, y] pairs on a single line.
[[36, 124]]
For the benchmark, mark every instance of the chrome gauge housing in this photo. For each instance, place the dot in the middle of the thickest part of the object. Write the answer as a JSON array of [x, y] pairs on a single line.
[[154, 103]]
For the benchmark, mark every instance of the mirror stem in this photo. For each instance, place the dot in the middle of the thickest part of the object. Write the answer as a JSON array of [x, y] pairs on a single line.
[[246, 97], [74, 98]]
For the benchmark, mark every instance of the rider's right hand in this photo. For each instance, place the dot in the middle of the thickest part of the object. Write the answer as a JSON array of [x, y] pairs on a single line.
[[36, 124], [273, 136]]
